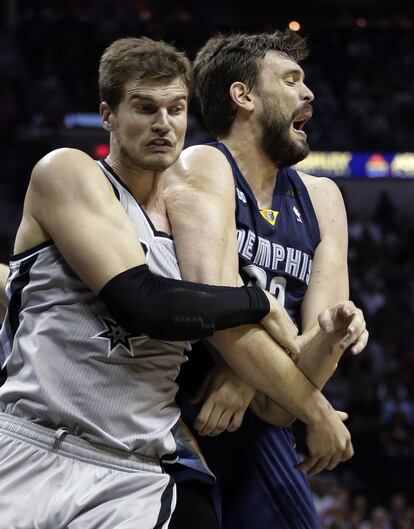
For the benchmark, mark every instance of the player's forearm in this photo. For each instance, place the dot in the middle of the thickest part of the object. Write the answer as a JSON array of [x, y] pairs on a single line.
[[318, 360], [260, 362], [319, 357]]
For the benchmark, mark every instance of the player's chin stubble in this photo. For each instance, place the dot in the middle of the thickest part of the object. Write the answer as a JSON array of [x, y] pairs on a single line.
[[277, 143]]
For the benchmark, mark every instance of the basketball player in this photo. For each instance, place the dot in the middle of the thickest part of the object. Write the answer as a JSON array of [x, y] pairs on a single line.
[[97, 320], [291, 238]]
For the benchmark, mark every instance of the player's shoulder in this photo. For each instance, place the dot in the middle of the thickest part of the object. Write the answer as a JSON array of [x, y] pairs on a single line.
[[202, 167], [321, 190], [65, 168], [325, 196], [60, 159], [319, 185], [202, 153]]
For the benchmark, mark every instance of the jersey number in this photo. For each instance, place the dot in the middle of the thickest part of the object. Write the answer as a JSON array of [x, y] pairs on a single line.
[[276, 286]]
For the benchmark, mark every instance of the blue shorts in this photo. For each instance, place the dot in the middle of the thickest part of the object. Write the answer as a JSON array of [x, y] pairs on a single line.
[[255, 468]]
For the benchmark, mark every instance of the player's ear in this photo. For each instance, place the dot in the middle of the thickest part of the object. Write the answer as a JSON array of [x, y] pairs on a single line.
[[106, 116], [240, 95]]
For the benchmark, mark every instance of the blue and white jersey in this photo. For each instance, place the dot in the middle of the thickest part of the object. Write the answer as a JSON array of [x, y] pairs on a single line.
[[276, 246]]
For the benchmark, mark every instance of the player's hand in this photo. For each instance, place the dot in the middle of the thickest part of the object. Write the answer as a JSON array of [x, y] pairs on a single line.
[[345, 323], [226, 398], [280, 326], [329, 443]]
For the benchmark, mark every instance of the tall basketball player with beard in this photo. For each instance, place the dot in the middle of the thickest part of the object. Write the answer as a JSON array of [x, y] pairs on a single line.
[[291, 235]]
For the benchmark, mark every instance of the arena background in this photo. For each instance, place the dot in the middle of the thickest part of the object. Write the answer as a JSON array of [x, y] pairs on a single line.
[[361, 70]]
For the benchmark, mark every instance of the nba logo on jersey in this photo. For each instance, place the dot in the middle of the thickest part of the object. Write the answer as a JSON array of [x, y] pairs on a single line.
[[241, 196], [298, 216]]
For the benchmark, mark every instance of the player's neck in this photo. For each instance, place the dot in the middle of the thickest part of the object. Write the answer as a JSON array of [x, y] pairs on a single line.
[[255, 166], [146, 186]]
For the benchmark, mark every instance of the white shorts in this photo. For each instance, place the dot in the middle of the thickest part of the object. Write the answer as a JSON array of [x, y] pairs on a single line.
[[52, 480]]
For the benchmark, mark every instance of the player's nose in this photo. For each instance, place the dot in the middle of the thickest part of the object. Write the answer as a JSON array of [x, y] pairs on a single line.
[[161, 123], [307, 94]]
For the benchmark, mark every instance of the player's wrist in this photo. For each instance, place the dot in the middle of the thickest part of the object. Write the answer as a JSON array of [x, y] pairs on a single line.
[[317, 410], [274, 307]]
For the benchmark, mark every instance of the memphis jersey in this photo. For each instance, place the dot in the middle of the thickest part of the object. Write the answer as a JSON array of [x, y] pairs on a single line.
[[71, 365], [261, 486], [276, 246]]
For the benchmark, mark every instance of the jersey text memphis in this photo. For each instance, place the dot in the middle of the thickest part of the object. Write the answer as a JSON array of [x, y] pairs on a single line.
[[71, 365]]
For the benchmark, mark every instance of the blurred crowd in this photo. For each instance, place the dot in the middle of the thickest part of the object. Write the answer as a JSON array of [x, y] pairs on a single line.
[[338, 508], [361, 69], [375, 489]]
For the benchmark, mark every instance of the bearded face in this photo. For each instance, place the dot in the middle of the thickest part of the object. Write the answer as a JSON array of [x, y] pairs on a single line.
[[283, 140]]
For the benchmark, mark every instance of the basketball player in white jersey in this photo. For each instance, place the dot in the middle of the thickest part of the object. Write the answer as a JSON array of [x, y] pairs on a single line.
[[98, 321]]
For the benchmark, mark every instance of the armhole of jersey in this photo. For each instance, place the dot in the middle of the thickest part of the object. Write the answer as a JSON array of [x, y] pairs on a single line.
[[28, 253], [309, 210], [116, 190], [103, 165]]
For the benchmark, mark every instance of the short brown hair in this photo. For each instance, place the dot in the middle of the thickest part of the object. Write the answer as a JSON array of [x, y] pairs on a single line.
[[224, 60], [139, 59]]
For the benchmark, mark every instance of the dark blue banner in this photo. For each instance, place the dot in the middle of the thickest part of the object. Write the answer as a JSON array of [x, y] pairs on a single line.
[[359, 164]]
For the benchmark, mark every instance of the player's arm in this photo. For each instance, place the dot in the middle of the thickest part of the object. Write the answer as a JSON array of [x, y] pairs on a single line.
[[330, 323], [200, 206], [70, 201], [326, 333], [193, 202], [4, 273]]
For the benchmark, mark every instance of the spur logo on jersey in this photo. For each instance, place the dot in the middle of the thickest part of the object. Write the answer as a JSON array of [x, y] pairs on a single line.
[[241, 196], [115, 336], [270, 215], [263, 253]]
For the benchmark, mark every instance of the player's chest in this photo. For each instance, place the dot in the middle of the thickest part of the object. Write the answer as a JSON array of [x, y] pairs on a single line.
[[263, 235]]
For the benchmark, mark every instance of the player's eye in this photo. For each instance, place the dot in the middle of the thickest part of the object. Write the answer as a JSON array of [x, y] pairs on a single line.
[[177, 110], [146, 109]]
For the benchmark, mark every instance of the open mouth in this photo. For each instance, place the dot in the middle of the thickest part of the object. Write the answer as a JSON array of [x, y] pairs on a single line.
[[160, 142], [300, 121]]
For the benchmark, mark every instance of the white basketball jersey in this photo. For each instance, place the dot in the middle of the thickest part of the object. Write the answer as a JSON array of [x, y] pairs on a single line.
[[71, 365]]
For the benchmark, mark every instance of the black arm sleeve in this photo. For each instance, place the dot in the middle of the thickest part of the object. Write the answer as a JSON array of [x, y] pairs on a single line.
[[168, 309]]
